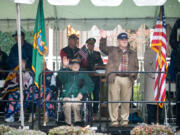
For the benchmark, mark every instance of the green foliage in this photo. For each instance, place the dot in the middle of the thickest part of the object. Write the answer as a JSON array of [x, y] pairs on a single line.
[[145, 129], [7, 41], [137, 96], [6, 130], [29, 36], [70, 130]]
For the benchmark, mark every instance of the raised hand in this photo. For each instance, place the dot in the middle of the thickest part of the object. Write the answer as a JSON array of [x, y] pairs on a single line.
[[80, 96], [65, 62], [102, 33]]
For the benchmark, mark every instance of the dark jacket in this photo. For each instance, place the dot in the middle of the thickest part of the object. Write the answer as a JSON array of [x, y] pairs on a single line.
[[171, 68], [3, 60], [3, 64], [114, 55], [26, 54], [175, 44], [69, 52], [94, 59], [74, 83]]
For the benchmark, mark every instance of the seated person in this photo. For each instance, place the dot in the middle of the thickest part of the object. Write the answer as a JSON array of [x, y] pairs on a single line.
[[75, 86], [3, 75], [3, 64], [11, 91], [50, 84]]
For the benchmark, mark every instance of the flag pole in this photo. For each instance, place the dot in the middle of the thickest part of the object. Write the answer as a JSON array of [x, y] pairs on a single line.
[[20, 63], [39, 49], [44, 90], [157, 111]]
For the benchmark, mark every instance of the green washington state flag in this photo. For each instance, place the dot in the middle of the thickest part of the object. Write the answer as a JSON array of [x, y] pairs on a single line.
[[39, 43]]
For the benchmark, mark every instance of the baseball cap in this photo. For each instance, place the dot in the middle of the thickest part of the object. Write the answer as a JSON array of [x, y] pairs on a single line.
[[15, 34], [122, 36]]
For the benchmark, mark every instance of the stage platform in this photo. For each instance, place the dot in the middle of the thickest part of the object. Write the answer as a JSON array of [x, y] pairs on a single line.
[[102, 126]]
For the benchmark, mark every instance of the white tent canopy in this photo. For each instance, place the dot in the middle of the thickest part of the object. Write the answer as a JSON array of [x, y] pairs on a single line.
[[85, 14], [56, 13], [98, 2], [149, 2]]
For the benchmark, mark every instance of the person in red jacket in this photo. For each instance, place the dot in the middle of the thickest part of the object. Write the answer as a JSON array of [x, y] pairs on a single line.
[[71, 51]]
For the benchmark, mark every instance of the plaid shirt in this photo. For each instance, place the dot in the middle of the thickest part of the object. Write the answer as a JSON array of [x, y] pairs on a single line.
[[123, 66], [114, 59]]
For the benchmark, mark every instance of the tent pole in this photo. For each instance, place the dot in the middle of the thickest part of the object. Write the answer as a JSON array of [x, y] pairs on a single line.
[[56, 47], [20, 63], [56, 29]]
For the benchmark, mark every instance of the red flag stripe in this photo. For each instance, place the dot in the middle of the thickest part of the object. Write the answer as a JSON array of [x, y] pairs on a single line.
[[163, 35], [157, 39]]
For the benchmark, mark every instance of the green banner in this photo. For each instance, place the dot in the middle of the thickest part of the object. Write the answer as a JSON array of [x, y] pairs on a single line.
[[39, 43]]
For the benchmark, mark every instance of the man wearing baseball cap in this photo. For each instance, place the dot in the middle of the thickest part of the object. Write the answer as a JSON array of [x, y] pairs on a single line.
[[26, 52], [121, 59]]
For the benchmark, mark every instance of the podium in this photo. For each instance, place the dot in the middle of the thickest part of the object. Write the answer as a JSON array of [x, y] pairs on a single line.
[[100, 72]]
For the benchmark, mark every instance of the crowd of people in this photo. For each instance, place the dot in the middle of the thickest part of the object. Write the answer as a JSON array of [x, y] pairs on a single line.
[[75, 85], [30, 91]]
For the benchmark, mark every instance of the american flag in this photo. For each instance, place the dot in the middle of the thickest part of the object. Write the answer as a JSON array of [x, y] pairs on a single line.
[[83, 52], [158, 44]]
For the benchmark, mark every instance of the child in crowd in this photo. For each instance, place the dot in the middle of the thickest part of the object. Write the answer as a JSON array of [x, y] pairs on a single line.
[[50, 85]]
